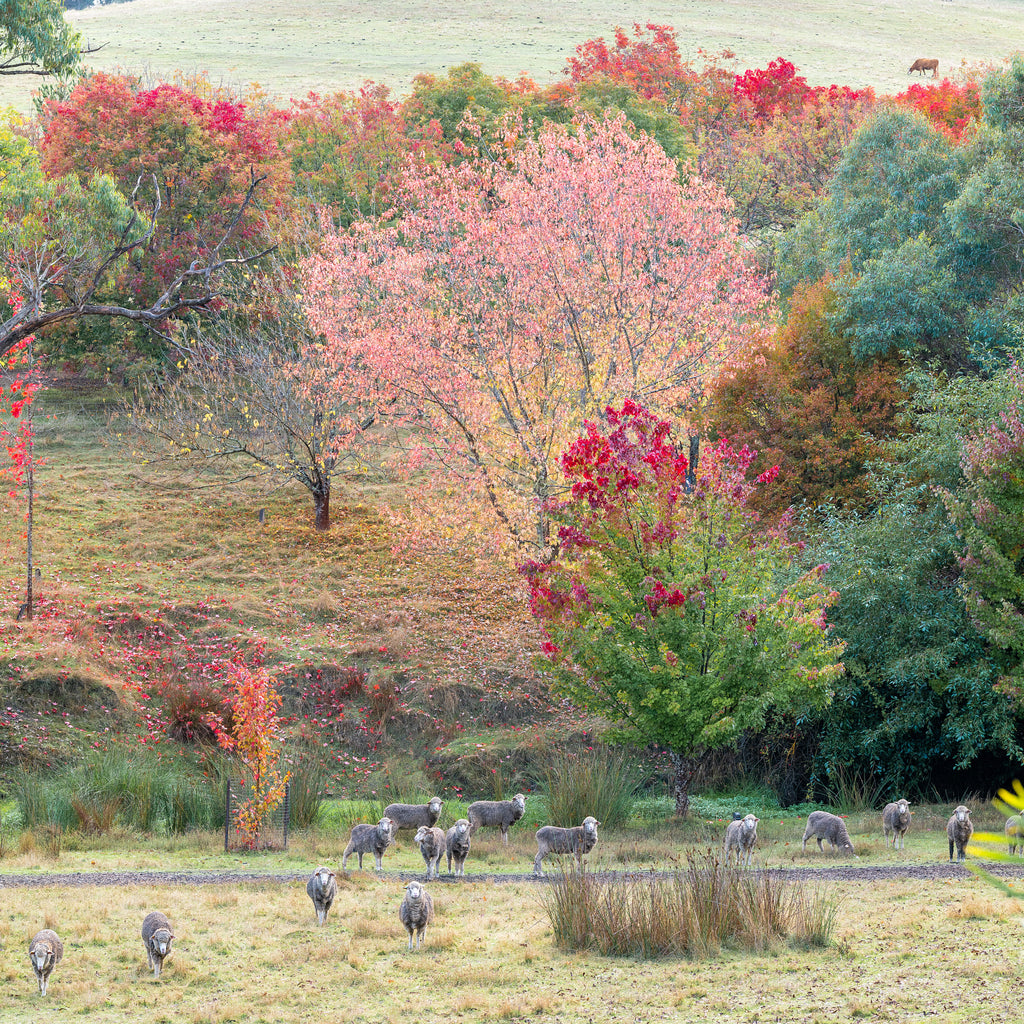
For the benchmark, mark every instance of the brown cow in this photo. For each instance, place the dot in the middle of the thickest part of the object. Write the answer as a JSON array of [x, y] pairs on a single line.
[[924, 64]]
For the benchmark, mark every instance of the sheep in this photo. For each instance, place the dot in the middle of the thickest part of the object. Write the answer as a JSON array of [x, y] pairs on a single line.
[[1014, 829], [823, 825], [416, 912], [45, 951], [896, 819], [156, 937], [373, 839], [414, 815], [321, 889], [741, 835], [457, 840], [496, 813], [431, 842], [959, 829], [578, 840]]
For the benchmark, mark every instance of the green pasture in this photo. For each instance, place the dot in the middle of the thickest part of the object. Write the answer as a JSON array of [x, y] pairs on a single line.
[[324, 46]]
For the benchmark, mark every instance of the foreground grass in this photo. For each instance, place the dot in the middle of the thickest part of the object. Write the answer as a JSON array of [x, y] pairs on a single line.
[[252, 952]]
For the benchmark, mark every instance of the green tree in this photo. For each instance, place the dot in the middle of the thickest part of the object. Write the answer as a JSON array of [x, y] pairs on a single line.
[[667, 612], [36, 40]]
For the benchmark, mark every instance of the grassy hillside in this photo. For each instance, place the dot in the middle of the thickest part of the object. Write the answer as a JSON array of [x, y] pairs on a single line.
[[291, 49]]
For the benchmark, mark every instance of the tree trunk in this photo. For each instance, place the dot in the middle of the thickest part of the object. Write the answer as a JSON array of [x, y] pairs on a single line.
[[691, 469], [685, 769], [322, 508]]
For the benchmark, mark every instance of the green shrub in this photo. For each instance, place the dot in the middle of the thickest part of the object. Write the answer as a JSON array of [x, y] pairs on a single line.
[[602, 783], [306, 791]]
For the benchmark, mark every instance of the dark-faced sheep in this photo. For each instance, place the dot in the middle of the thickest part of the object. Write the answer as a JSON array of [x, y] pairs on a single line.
[[896, 820], [1014, 829], [831, 827], [959, 830], [496, 814], [156, 937], [740, 835], [416, 912], [579, 840], [414, 815], [924, 64], [457, 840], [45, 951], [321, 889], [373, 839], [431, 842]]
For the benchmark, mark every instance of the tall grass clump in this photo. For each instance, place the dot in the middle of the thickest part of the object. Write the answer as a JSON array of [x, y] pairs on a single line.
[[852, 792], [602, 783], [306, 786], [694, 912]]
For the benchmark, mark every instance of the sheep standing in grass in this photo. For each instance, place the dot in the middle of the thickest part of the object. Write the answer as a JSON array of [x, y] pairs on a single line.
[[415, 815], [156, 937], [373, 839], [959, 830], [740, 835], [823, 825], [416, 912], [45, 951], [496, 813], [431, 842], [579, 840], [896, 819], [456, 842], [1014, 829], [321, 889]]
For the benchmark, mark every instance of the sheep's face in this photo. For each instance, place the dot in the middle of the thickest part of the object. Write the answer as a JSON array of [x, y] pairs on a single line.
[[902, 808], [41, 955], [590, 826], [461, 828], [323, 877], [750, 823], [161, 941], [422, 833], [415, 891], [435, 805], [385, 828], [520, 803], [962, 814]]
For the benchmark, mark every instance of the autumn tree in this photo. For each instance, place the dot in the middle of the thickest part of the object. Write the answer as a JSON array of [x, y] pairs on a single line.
[[257, 393], [667, 611], [512, 302]]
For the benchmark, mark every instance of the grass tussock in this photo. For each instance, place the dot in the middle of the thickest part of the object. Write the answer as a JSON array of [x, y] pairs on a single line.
[[601, 782], [694, 911]]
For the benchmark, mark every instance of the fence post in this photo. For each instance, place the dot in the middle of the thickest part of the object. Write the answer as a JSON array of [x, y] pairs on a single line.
[[227, 814], [287, 812]]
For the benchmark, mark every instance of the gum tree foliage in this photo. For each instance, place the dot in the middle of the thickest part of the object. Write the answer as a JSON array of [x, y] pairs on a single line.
[[514, 301], [36, 40], [917, 709], [668, 611]]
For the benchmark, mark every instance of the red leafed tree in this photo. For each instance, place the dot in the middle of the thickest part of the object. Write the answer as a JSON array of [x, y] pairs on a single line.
[[201, 148], [952, 107], [803, 403], [514, 301]]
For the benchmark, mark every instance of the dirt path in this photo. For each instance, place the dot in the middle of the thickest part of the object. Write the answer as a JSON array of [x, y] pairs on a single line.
[[921, 872]]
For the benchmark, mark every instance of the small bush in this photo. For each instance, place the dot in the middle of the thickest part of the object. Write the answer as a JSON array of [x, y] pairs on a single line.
[[692, 912], [196, 707], [602, 783]]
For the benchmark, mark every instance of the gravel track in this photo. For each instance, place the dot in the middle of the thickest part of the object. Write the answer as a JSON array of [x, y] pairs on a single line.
[[917, 872]]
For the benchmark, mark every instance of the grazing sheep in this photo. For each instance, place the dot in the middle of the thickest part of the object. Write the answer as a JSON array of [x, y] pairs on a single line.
[[321, 889], [740, 835], [156, 937], [496, 813], [415, 815], [457, 844], [1014, 829], [578, 840], [45, 951], [416, 912], [823, 825], [896, 819], [959, 829], [431, 842], [373, 839]]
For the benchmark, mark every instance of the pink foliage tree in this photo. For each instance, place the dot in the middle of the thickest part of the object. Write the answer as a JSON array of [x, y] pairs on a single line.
[[508, 302]]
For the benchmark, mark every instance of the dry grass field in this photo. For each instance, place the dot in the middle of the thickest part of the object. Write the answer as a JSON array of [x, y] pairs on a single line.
[[290, 48]]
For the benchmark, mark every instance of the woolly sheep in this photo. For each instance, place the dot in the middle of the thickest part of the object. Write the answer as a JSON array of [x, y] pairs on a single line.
[[1014, 830], [431, 842], [416, 912], [823, 825], [496, 813], [896, 819], [45, 951], [321, 889], [373, 839], [740, 835], [414, 815], [959, 829], [457, 840], [578, 840], [156, 937]]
